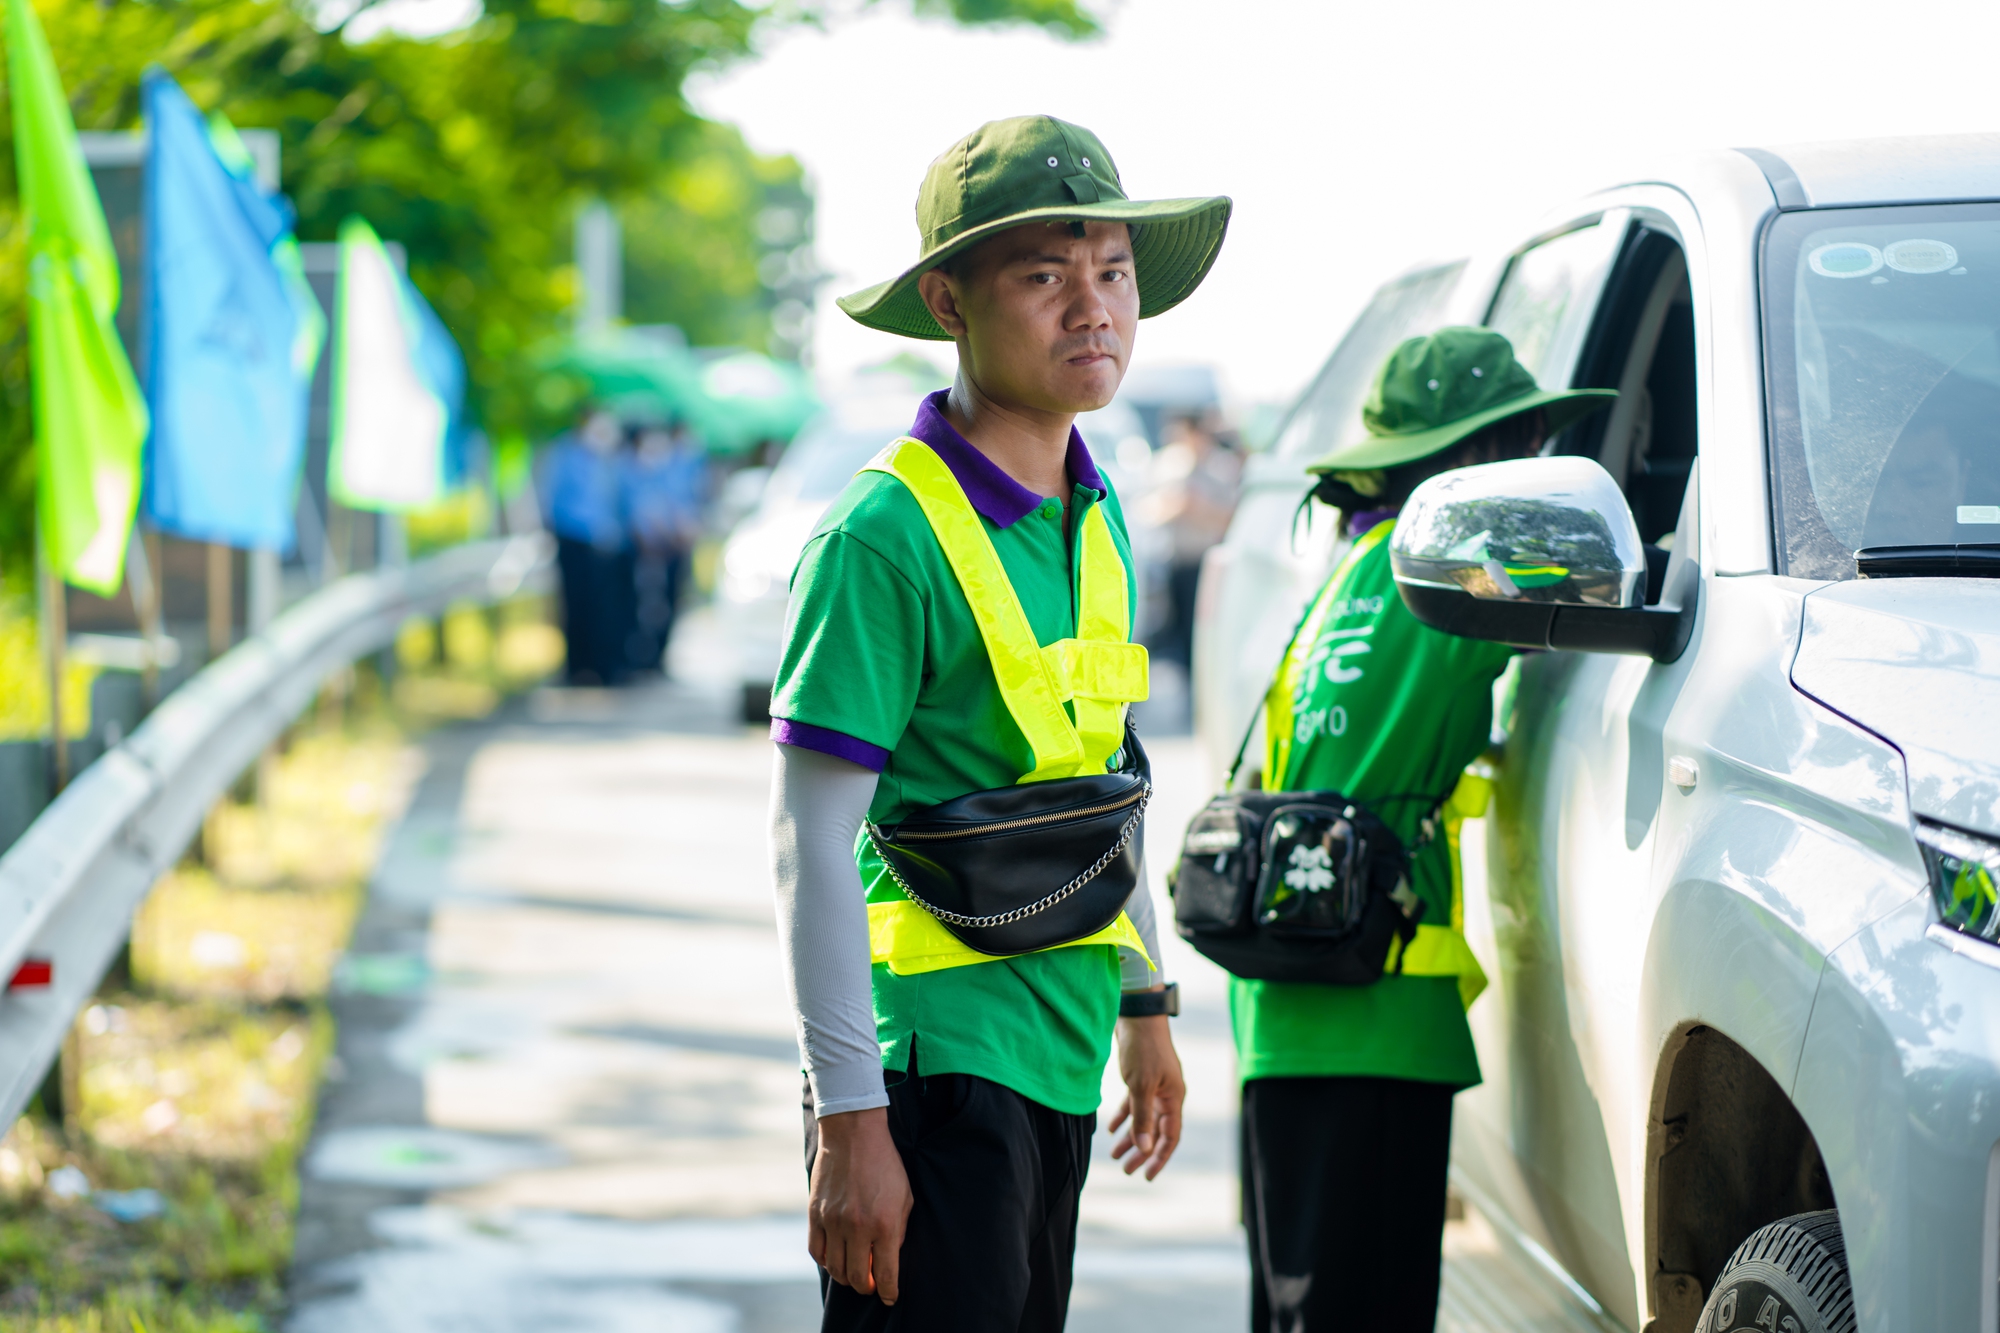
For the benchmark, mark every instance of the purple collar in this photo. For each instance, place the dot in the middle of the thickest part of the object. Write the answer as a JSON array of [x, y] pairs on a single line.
[[1358, 524], [992, 492]]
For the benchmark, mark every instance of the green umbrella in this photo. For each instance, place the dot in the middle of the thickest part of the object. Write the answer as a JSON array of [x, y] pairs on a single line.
[[747, 397], [731, 399], [640, 378]]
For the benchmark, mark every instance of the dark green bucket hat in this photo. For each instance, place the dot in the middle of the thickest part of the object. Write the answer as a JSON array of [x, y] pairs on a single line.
[[1040, 169], [1436, 390]]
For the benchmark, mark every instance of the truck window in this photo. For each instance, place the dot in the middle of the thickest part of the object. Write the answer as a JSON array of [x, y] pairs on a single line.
[[1328, 413], [1544, 303], [1882, 347], [1641, 343]]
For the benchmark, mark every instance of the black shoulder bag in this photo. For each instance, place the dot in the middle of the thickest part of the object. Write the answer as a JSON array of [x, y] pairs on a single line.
[[1017, 869], [1295, 885]]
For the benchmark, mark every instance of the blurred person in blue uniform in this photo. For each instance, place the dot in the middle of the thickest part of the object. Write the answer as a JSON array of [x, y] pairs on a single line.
[[582, 488], [666, 486]]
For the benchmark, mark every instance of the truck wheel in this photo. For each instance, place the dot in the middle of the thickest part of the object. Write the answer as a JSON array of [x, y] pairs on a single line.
[[1789, 1277]]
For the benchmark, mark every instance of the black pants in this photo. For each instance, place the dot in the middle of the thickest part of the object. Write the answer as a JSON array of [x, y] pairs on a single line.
[[658, 574], [1175, 639], [991, 1239], [597, 610], [1343, 1197]]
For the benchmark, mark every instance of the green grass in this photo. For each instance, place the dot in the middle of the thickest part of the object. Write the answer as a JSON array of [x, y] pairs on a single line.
[[225, 1162], [197, 1075], [24, 679]]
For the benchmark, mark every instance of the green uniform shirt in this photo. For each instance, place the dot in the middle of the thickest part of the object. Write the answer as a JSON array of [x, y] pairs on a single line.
[[1389, 712], [881, 648]]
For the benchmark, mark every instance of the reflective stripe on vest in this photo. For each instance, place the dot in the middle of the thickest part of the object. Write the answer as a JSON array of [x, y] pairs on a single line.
[[1278, 699], [1098, 673], [1440, 951], [911, 940], [1437, 950]]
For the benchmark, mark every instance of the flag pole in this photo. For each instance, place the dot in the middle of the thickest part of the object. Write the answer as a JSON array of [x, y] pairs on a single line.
[[221, 589], [145, 589], [55, 644]]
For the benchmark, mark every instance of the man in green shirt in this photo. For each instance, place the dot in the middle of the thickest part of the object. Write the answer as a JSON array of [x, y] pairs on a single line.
[[1347, 1089], [953, 1095]]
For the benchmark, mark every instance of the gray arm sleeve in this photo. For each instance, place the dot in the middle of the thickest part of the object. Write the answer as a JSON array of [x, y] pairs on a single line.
[[1133, 974], [817, 805]]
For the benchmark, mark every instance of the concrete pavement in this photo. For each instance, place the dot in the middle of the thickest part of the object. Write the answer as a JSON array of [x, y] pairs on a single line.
[[567, 1094]]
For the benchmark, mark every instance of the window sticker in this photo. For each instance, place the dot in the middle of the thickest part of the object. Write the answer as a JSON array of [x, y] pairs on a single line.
[[1919, 256], [1979, 513], [1845, 259]]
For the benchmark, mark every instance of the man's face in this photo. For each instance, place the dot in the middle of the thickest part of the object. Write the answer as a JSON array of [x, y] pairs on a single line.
[[1044, 319]]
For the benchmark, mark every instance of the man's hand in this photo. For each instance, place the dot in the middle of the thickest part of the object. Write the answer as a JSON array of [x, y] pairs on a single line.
[[861, 1202], [1154, 1091]]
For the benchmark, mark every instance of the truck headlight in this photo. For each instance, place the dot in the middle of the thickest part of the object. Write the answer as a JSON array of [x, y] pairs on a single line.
[[1965, 878]]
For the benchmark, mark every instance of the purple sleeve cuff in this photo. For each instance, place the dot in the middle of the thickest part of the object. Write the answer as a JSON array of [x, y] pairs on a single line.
[[828, 741]]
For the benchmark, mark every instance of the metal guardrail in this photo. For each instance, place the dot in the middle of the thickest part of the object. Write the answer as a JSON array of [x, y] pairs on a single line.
[[70, 884]]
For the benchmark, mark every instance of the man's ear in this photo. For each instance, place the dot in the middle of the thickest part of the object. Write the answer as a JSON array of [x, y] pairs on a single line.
[[936, 289]]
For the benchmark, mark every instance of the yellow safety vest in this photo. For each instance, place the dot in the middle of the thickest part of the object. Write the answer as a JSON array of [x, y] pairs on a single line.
[[1441, 951], [1437, 950], [1098, 673]]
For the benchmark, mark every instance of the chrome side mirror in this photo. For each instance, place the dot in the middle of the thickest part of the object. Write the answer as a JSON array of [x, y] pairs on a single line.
[[1539, 553]]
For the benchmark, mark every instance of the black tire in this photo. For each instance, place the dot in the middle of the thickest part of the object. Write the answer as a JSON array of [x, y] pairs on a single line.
[[1789, 1277]]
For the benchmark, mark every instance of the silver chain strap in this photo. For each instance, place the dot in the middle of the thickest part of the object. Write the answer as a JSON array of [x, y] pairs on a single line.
[[1125, 836]]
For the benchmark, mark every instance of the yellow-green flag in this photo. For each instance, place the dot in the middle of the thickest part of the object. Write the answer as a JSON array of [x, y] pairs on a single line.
[[90, 418]]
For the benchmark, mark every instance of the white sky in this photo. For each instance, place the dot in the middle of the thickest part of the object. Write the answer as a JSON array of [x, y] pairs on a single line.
[[1356, 139]]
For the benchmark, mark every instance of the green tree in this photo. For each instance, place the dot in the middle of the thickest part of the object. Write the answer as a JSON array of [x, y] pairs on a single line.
[[691, 256], [474, 150]]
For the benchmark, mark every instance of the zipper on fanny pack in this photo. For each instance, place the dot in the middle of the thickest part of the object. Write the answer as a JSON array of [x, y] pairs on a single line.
[[1028, 821]]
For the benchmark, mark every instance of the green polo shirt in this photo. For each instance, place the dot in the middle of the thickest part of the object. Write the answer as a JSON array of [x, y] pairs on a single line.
[[884, 665], [1388, 711]]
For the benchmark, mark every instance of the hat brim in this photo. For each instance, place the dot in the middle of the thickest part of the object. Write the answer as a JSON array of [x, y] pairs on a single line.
[[1564, 408], [1177, 244]]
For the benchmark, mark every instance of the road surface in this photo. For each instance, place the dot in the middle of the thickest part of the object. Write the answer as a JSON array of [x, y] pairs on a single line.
[[567, 1094]]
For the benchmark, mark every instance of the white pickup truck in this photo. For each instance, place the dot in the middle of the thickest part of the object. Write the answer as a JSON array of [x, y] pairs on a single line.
[[1736, 890]]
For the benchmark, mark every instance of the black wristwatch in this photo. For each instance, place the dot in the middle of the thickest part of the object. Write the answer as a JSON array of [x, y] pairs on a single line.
[[1149, 1003]]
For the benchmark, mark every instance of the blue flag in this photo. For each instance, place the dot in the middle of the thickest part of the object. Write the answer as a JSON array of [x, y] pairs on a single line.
[[398, 438], [443, 365], [232, 335]]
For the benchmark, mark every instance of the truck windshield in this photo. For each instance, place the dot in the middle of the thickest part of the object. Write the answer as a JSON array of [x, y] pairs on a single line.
[[1882, 329]]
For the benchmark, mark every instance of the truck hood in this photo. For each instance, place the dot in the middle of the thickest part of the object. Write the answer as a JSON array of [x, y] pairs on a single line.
[[1917, 662]]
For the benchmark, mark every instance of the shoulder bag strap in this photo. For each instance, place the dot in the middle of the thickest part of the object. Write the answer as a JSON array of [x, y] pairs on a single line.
[[1325, 590]]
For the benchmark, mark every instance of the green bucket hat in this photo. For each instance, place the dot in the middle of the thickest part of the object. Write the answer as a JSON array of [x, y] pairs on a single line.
[[1040, 169], [1438, 389]]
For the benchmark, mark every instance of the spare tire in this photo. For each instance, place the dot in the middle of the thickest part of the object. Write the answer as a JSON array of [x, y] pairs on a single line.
[[1788, 1277]]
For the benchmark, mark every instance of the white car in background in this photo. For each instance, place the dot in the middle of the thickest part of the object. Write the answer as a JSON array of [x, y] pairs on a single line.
[[1736, 890], [763, 548]]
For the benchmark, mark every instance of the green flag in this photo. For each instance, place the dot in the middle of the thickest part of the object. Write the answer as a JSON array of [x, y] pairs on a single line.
[[90, 418]]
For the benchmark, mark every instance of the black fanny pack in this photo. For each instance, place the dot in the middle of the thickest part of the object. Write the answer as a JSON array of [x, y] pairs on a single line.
[[1015, 869], [1293, 886], [1296, 885]]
